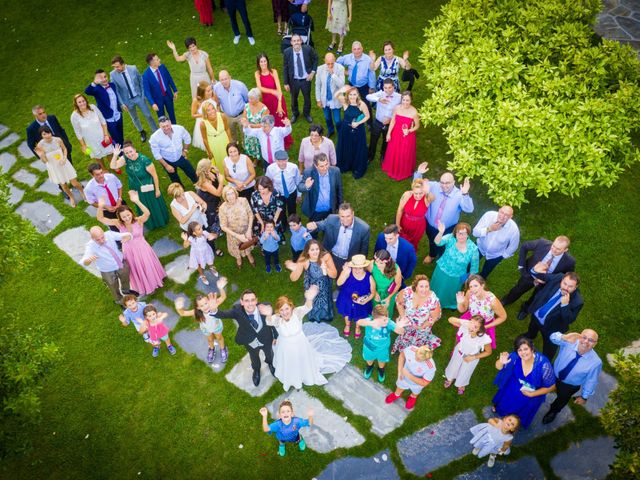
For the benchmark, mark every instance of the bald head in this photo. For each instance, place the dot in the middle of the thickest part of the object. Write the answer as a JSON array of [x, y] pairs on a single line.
[[330, 59], [225, 78], [447, 182], [97, 234], [588, 340], [504, 214]]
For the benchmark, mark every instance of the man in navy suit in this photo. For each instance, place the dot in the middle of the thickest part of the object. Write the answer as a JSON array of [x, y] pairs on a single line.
[[128, 82], [400, 249], [41, 120], [159, 87], [322, 186], [108, 103], [555, 306]]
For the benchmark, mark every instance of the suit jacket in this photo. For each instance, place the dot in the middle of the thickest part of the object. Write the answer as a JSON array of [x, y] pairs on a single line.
[[311, 197], [309, 56], [539, 248], [246, 334], [121, 87], [559, 318], [102, 99], [337, 82], [406, 258], [359, 238], [33, 137], [152, 87]]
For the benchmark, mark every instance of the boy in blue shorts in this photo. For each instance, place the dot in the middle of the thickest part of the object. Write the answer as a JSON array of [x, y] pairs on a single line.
[[287, 428], [133, 314]]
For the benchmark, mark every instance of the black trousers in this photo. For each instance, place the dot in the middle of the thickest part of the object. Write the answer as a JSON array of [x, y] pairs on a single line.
[[525, 283], [564, 392], [116, 131], [298, 86], [489, 265], [339, 262], [290, 207], [268, 256], [549, 348], [241, 7], [254, 354], [378, 129], [432, 232]]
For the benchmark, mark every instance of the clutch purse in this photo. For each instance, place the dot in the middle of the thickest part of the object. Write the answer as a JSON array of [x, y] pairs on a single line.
[[106, 143], [150, 187], [249, 243], [392, 287]]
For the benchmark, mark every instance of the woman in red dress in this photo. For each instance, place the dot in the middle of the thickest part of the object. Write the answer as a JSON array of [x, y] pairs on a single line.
[[400, 157], [205, 9], [268, 82], [413, 206]]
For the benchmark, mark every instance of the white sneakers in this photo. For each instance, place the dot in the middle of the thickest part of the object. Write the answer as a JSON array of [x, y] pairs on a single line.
[[236, 40], [251, 41], [492, 460]]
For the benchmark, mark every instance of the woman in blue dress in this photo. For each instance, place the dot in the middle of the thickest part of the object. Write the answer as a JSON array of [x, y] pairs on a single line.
[[357, 291], [389, 65], [352, 152], [319, 269], [524, 379]]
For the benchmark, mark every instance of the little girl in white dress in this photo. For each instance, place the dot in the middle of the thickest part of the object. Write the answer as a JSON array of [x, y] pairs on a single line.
[[494, 438], [201, 254]]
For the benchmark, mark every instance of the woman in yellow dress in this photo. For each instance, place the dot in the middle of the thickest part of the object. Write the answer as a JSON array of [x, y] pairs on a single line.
[[215, 134]]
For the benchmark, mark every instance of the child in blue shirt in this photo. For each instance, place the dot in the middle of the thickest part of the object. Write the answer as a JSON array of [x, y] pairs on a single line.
[[287, 428], [133, 314], [269, 241], [299, 236]]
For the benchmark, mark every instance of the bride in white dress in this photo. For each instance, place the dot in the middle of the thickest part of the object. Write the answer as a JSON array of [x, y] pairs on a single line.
[[302, 355]]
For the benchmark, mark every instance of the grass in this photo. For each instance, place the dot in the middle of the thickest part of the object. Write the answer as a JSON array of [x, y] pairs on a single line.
[[172, 417]]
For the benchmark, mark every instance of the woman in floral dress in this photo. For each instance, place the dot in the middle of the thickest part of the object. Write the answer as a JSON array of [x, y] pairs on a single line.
[[254, 110]]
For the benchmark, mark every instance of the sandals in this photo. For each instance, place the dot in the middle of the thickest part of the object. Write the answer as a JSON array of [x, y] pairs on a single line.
[[214, 271], [357, 334], [219, 253], [204, 279], [347, 331], [460, 390], [331, 47], [447, 383]]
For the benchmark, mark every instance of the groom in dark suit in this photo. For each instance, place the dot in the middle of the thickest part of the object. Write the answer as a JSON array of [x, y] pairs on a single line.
[[108, 103], [253, 332], [300, 65]]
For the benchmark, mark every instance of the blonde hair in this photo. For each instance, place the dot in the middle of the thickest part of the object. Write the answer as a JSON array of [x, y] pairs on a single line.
[[423, 353], [418, 182], [175, 190], [228, 189], [203, 167]]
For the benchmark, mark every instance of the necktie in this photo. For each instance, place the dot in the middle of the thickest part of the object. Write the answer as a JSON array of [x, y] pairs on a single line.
[[440, 211], [113, 254], [567, 370], [253, 321], [285, 190], [329, 96], [164, 92], [269, 152], [112, 200], [549, 262], [299, 65], [544, 310], [354, 74], [126, 81]]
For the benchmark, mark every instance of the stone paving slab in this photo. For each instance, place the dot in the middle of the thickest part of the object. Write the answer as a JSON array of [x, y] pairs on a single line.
[[329, 430], [91, 211], [173, 296], [73, 242], [206, 289], [3, 129], [632, 349], [366, 398], [537, 429], [437, 444], [526, 468], [26, 177], [38, 165], [49, 187], [42, 215], [588, 459], [606, 383], [241, 376], [172, 319], [9, 140], [177, 270], [25, 151], [378, 467], [15, 194], [194, 342], [165, 246], [7, 160]]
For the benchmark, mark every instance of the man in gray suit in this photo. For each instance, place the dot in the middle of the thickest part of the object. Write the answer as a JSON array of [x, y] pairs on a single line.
[[130, 91], [345, 235], [322, 186]]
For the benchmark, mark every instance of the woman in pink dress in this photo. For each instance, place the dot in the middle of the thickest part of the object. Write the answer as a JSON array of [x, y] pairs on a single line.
[[268, 82], [400, 157], [413, 206], [146, 271]]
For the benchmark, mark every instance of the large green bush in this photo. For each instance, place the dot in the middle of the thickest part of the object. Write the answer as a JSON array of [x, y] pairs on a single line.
[[529, 98]]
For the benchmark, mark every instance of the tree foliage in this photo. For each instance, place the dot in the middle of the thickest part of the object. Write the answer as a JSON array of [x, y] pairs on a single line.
[[529, 98]]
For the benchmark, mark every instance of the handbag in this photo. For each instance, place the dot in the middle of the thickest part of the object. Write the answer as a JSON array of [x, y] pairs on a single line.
[[149, 187], [392, 287], [249, 243]]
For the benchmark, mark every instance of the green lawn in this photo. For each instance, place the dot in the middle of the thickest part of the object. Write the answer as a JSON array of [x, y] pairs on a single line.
[[110, 410]]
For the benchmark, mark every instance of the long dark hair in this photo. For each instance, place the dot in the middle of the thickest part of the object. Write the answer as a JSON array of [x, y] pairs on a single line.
[[199, 314], [260, 56], [481, 321], [305, 253], [389, 265]]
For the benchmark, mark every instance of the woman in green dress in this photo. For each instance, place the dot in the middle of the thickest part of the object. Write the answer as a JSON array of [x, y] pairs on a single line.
[[142, 178], [388, 278]]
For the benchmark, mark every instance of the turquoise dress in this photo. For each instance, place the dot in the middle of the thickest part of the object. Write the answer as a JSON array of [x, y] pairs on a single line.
[[377, 342], [453, 269]]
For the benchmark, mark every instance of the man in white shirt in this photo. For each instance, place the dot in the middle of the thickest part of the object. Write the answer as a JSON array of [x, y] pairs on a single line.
[[386, 100], [498, 237], [285, 177], [329, 79], [106, 186], [170, 146], [271, 138]]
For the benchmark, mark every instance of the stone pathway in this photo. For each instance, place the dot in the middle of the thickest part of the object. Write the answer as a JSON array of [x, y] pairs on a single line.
[[7, 160], [241, 376], [329, 431], [3, 129], [15, 194], [194, 342], [25, 151], [378, 467], [163, 247], [206, 289], [73, 242], [537, 429], [50, 188], [177, 270], [589, 459], [632, 349], [9, 140], [437, 444], [172, 296], [606, 383], [620, 20], [91, 211], [26, 177], [366, 398], [527, 468], [42, 215], [38, 165], [172, 317]]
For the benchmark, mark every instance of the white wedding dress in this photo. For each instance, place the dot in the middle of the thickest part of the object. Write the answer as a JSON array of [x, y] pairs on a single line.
[[303, 354]]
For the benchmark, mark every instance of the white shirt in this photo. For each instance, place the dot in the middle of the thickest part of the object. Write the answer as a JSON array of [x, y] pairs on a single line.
[[384, 111], [501, 243], [107, 252], [167, 147], [393, 249], [291, 177], [113, 104], [276, 135], [94, 190]]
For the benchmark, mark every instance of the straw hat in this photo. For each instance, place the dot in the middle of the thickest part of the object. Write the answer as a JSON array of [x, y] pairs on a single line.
[[358, 261]]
